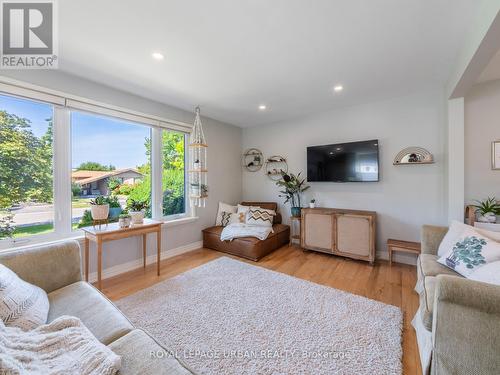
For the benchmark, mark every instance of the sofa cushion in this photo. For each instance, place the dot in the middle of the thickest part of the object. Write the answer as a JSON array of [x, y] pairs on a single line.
[[428, 265], [141, 354], [277, 229], [96, 312], [427, 301]]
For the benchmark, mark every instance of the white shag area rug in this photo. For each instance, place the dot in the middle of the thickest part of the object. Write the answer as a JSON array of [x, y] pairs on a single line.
[[229, 317]]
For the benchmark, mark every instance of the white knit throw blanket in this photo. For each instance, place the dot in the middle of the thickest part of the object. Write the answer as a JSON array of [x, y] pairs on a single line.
[[64, 346], [237, 230]]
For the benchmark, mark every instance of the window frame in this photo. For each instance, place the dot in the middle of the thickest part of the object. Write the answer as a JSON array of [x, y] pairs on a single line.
[[62, 105]]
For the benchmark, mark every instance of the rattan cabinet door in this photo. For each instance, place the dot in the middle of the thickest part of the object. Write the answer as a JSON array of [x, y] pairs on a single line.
[[354, 236], [317, 231]]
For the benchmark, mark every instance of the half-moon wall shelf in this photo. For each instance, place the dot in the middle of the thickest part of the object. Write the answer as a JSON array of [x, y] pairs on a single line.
[[413, 155]]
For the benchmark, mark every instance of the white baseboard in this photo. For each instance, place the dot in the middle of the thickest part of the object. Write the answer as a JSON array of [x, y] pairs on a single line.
[[138, 263]]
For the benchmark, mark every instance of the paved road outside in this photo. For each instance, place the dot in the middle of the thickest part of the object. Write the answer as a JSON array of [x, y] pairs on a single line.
[[38, 214]]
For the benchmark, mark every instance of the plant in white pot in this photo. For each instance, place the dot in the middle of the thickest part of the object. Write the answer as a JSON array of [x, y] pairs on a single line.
[[99, 208], [312, 203], [137, 210], [488, 210], [124, 220]]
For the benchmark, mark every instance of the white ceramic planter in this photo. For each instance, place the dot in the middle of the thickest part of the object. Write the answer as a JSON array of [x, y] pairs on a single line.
[[488, 218], [137, 217], [124, 222], [312, 205], [99, 212]]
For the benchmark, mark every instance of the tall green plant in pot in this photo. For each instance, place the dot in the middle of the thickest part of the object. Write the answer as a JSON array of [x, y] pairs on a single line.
[[293, 186]]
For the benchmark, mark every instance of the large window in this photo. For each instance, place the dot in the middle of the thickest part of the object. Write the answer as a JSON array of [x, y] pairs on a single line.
[[173, 161], [26, 176], [110, 157], [57, 153]]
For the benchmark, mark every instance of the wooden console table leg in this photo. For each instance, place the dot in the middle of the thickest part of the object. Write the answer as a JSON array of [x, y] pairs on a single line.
[[389, 248], [158, 244], [144, 249], [99, 263], [87, 245]]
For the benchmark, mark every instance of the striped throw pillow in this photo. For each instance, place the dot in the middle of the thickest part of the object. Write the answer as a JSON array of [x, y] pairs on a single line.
[[22, 304], [260, 216]]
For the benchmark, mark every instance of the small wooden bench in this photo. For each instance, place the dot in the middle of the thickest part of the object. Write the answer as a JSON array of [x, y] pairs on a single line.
[[404, 246]]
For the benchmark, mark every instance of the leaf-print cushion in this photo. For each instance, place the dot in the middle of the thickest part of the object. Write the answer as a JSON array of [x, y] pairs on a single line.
[[470, 252]]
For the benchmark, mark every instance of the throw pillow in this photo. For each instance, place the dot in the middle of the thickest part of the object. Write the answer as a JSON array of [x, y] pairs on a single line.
[[260, 216], [470, 252], [224, 207], [230, 218], [23, 305], [245, 210], [457, 230], [489, 273]]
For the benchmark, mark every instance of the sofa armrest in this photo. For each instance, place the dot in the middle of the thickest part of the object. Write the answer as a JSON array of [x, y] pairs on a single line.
[[50, 267], [431, 238], [465, 335]]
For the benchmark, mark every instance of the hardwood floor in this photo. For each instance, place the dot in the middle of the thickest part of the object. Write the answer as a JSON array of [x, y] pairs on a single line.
[[389, 284]]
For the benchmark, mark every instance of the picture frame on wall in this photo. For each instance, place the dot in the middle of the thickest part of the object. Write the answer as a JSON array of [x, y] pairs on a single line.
[[495, 155]]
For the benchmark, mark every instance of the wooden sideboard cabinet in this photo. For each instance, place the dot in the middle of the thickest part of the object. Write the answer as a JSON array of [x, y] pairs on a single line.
[[348, 233]]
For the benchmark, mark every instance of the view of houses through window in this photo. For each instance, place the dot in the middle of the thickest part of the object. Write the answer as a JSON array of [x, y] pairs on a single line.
[[109, 157]]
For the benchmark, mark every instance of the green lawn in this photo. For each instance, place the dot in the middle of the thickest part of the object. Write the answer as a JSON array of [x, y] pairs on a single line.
[[80, 202], [36, 229]]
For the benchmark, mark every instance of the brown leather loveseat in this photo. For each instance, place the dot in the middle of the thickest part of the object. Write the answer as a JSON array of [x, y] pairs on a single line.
[[250, 247]]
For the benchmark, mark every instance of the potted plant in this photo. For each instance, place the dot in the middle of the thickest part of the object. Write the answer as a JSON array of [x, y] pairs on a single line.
[[99, 208], [312, 203], [293, 188], [199, 189], [115, 208], [488, 209], [124, 220], [137, 211]]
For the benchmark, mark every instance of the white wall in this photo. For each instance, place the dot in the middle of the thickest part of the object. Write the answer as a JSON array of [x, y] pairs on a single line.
[[482, 126], [224, 155], [406, 196]]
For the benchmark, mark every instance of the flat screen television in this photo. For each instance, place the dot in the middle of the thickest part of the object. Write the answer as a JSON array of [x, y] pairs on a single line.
[[343, 162]]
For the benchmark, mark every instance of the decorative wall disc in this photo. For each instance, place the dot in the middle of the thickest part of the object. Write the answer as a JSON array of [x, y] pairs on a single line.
[[253, 160], [274, 166], [413, 155]]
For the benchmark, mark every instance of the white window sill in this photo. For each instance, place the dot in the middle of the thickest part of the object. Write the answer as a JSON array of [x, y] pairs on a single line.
[[6, 245], [174, 222]]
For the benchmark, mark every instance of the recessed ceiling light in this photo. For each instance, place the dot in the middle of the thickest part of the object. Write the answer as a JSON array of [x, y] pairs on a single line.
[[338, 88], [262, 107], [157, 56]]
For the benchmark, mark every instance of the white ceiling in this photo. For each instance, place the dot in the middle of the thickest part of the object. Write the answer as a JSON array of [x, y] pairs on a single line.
[[492, 70], [230, 56]]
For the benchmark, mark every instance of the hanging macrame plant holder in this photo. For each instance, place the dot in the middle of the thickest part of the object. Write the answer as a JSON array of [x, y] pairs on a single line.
[[198, 188]]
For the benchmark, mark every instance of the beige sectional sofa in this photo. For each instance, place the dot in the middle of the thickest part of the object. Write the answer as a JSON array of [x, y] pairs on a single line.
[[57, 270], [458, 320]]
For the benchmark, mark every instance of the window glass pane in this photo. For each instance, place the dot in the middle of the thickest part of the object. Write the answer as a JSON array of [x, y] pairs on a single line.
[[174, 201], [110, 157], [26, 176]]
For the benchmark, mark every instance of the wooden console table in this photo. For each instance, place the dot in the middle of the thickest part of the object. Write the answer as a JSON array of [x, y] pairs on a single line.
[[111, 232]]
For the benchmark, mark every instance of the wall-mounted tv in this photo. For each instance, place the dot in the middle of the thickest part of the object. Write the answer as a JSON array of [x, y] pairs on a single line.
[[343, 162]]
